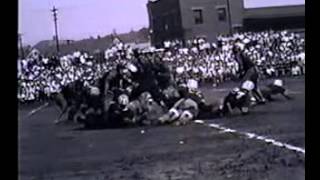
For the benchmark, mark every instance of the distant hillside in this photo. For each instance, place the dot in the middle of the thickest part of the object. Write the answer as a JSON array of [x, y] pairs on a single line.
[[48, 47]]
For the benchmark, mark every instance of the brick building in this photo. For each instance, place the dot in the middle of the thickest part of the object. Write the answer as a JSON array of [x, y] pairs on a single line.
[[186, 19]]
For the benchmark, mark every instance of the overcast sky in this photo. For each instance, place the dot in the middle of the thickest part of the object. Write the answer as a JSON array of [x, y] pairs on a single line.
[[78, 19]]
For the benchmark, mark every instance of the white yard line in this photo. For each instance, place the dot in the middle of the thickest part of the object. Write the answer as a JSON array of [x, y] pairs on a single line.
[[34, 111], [221, 90], [227, 90], [253, 136], [295, 92]]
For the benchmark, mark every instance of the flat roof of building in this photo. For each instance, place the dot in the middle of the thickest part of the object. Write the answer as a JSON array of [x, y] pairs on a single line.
[[276, 11]]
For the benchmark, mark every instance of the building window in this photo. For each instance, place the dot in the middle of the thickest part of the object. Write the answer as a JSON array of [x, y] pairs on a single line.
[[237, 27], [197, 13], [222, 14], [166, 27]]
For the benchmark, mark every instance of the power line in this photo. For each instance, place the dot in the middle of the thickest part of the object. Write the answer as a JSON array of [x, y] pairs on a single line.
[[21, 47], [54, 11], [229, 15]]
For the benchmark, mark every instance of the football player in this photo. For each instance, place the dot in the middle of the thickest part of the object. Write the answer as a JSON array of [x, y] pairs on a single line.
[[238, 98], [275, 88]]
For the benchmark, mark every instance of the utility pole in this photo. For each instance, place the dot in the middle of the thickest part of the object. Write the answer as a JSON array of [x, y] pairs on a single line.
[[20, 44], [54, 11], [229, 17]]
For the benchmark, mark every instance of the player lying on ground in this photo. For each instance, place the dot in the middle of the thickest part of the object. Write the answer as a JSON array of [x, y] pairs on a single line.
[[238, 98], [122, 112], [275, 88], [189, 107], [142, 111], [183, 111]]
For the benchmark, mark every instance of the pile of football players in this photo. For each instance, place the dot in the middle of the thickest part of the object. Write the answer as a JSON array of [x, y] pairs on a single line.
[[144, 91], [137, 92]]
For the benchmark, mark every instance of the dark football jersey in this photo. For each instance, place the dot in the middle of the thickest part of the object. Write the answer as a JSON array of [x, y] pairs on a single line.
[[276, 89], [244, 62], [271, 89], [237, 99]]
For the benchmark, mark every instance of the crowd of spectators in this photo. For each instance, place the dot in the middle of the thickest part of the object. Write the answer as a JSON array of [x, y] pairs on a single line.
[[276, 53]]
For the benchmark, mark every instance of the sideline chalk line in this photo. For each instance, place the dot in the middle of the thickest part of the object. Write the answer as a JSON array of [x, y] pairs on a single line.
[[253, 136], [227, 90], [223, 130], [34, 111]]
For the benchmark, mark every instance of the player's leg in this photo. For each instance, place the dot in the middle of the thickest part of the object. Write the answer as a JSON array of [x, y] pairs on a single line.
[[185, 117], [256, 91], [286, 95], [267, 94], [225, 108], [169, 117]]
